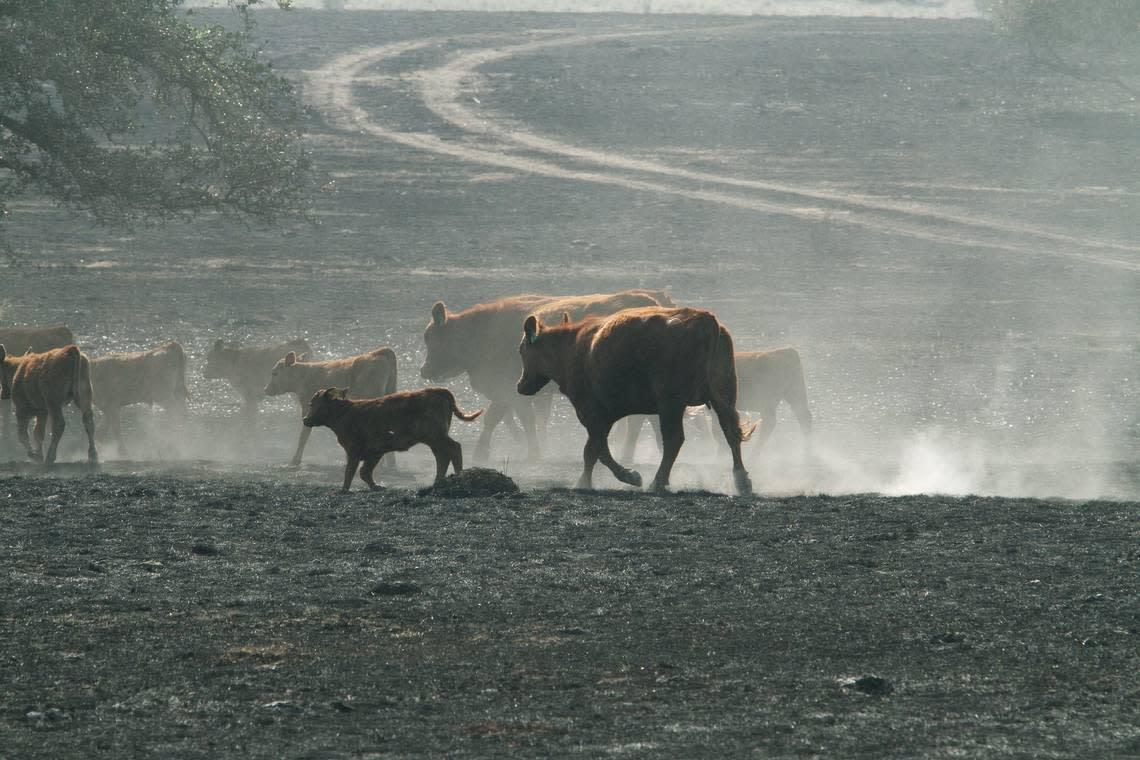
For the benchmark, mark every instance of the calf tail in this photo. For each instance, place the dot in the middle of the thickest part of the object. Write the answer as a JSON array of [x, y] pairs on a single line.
[[459, 413]]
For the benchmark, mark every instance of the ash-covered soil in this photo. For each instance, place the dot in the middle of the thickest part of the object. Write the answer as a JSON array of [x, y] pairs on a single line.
[[190, 614], [193, 598]]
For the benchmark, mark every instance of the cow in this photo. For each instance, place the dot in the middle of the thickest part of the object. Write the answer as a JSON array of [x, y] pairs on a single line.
[[154, 376], [369, 375], [481, 341], [370, 428], [764, 379], [247, 368], [650, 360], [39, 385], [21, 340]]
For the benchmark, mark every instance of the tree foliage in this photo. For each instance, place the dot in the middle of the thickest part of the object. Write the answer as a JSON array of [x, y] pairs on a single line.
[[1086, 38], [127, 109]]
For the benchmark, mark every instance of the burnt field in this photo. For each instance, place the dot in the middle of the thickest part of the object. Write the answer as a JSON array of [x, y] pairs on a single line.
[[943, 229]]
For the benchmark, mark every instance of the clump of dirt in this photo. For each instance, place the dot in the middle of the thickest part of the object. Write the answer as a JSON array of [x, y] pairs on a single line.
[[874, 686], [473, 482]]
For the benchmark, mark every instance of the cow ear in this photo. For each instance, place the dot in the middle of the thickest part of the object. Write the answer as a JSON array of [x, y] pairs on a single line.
[[439, 313], [3, 353], [531, 329], [290, 358], [219, 344], [565, 317]]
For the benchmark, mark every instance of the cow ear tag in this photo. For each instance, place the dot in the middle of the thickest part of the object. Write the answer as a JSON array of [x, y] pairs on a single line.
[[534, 338]]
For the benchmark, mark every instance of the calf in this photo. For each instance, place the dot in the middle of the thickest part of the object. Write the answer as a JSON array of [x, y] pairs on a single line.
[[22, 340], [155, 376], [371, 428], [39, 385], [652, 360], [247, 368], [369, 375]]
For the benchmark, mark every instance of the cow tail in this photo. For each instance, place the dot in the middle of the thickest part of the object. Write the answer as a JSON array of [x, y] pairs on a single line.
[[81, 392], [797, 393], [721, 378], [459, 413]]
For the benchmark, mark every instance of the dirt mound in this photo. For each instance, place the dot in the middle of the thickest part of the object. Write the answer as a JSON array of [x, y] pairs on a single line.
[[476, 481]]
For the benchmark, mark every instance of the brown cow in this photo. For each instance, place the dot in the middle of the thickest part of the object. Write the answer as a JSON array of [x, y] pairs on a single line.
[[155, 376], [369, 375], [39, 385], [764, 379], [369, 429], [651, 360], [481, 341], [21, 340], [247, 368]]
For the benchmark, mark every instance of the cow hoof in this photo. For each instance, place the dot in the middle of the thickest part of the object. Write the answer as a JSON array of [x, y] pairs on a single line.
[[583, 484], [632, 477], [743, 483], [660, 487]]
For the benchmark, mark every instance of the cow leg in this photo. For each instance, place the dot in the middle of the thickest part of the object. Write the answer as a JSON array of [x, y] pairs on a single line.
[[730, 425], [349, 471], [767, 425], [672, 423], [366, 472], [491, 418], [89, 428], [589, 459], [599, 438], [58, 425], [388, 463], [633, 425], [116, 423], [22, 420]]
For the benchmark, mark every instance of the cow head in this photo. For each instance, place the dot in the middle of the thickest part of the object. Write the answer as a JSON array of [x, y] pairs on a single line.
[[446, 347], [325, 407], [221, 360], [279, 379], [535, 361], [5, 380]]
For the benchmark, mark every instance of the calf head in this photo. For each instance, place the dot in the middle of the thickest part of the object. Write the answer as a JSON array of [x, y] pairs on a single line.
[[280, 381], [326, 407], [5, 378], [221, 361], [536, 358], [446, 348]]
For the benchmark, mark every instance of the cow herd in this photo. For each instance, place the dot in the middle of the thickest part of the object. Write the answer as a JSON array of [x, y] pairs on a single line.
[[619, 355]]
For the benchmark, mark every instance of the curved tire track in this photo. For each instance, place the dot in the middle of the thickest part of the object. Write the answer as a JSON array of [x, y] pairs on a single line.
[[441, 86]]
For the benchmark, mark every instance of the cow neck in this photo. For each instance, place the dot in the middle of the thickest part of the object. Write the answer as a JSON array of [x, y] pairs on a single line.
[[340, 409]]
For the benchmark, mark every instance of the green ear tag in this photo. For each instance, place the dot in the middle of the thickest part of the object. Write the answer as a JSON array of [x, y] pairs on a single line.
[[534, 338]]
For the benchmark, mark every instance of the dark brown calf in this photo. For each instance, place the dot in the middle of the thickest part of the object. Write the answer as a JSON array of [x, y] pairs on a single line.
[[652, 360], [371, 428], [39, 385], [155, 376], [369, 375]]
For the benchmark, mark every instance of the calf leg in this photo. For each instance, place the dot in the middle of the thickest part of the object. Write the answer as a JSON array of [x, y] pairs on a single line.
[[673, 435], [58, 425], [116, 426], [349, 471], [525, 411], [456, 455], [492, 417], [442, 460], [22, 420], [542, 405], [304, 439], [366, 472]]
